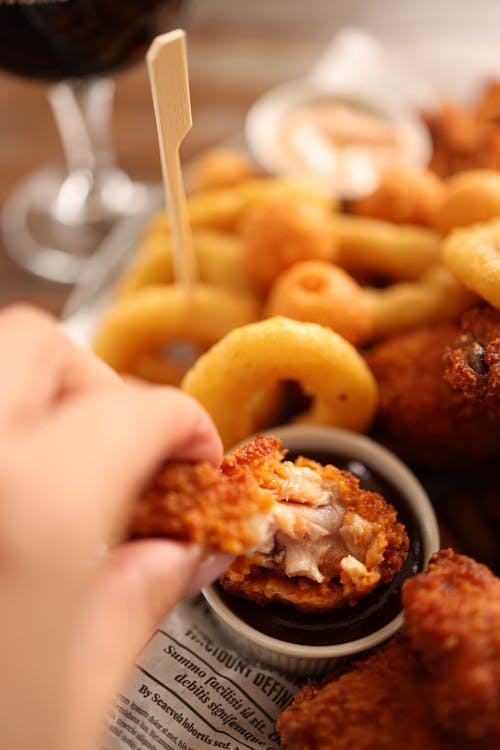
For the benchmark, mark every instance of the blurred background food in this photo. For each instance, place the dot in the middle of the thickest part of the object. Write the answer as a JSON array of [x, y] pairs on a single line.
[[237, 52]]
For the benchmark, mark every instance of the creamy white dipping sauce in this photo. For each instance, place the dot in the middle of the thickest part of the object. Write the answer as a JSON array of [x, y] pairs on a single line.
[[344, 146]]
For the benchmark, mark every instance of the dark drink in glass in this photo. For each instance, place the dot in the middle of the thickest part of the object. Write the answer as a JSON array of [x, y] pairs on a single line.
[[64, 39], [58, 216]]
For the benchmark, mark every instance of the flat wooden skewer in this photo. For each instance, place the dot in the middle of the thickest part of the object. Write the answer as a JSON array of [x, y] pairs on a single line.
[[167, 65]]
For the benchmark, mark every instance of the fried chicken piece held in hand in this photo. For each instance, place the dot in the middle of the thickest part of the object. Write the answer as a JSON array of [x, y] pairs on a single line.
[[311, 536], [331, 542], [198, 503]]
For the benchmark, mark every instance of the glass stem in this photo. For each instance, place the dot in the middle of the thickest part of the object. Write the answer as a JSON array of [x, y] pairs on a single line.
[[82, 111]]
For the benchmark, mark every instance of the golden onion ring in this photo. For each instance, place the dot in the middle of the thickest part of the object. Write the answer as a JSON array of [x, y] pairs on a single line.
[[139, 324], [473, 256], [371, 246], [438, 296], [219, 257], [472, 197], [260, 355], [162, 370], [319, 292]]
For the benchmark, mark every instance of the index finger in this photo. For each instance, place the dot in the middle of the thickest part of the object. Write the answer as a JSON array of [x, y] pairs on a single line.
[[100, 450], [40, 366]]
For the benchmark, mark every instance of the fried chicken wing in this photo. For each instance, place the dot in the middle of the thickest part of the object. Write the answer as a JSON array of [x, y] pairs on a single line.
[[435, 686], [452, 615], [376, 706], [424, 416], [473, 361], [314, 538], [199, 503], [466, 137], [331, 543]]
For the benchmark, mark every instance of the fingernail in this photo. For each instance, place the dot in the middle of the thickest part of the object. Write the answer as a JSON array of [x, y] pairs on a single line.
[[210, 568]]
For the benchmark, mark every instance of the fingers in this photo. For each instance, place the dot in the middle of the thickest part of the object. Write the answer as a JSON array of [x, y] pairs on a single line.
[[40, 366], [90, 435], [89, 462], [126, 433], [93, 442], [78, 445], [132, 592]]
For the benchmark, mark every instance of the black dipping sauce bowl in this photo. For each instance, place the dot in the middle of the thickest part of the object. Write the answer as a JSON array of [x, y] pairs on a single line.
[[313, 643]]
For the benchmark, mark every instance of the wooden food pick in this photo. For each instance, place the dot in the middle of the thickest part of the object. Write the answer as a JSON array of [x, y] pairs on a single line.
[[167, 65]]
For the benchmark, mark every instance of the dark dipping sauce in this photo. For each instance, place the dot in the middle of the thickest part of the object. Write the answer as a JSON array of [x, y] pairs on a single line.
[[348, 623]]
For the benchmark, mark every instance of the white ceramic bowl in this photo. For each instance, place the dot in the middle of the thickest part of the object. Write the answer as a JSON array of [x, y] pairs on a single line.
[[314, 660], [264, 135]]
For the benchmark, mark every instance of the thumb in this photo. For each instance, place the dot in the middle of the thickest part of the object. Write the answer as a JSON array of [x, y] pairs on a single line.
[[133, 590]]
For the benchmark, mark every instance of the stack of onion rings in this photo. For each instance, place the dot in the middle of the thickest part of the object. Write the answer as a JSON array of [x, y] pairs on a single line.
[[239, 378]]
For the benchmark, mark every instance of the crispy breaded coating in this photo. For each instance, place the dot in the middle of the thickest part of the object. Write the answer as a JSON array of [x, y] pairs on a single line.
[[436, 686], [332, 541], [376, 706], [465, 137], [421, 415], [228, 508], [199, 503], [315, 539], [452, 615], [473, 361], [262, 457], [322, 292], [404, 195], [284, 230]]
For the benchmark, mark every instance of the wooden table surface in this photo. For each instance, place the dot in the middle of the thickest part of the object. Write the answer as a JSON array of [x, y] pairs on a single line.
[[236, 51]]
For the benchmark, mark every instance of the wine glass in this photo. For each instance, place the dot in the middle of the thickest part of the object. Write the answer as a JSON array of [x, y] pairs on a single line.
[[56, 217]]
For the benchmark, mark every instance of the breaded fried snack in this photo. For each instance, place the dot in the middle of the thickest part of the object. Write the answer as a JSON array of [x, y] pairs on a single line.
[[319, 292], [473, 362], [312, 538], [331, 542], [376, 706], [452, 615], [282, 231], [201, 504], [436, 686], [472, 197], [426, 417], [404, 195]]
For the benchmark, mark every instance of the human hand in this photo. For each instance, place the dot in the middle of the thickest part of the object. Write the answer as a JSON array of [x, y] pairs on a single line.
[[78, 444]]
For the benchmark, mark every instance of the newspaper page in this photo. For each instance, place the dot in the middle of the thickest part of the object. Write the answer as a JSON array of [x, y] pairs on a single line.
[[191, 690]]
